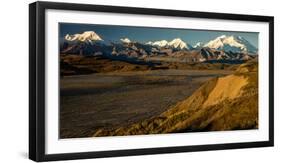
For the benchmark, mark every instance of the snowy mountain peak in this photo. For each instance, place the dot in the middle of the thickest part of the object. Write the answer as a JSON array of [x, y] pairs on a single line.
[[222, 36], [198, 45], [87, 36], [175, 43], [149, 43], [234, 44], [125, 40], [178, 43], [161, 43]]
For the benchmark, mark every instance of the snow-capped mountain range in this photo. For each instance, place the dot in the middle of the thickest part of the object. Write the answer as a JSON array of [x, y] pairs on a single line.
[[175, 43], [235, 44], [87, 36], [161, 43]]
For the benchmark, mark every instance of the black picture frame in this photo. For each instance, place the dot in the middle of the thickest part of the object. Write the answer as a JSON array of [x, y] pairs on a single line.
[[37, 80]]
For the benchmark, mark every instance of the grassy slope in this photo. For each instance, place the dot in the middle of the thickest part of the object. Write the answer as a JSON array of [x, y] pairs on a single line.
[[225, 103]]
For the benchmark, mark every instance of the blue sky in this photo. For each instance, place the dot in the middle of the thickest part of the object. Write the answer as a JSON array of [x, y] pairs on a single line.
[[145, 34]]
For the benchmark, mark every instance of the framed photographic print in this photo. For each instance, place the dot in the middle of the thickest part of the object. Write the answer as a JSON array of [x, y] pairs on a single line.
[[118, 81]]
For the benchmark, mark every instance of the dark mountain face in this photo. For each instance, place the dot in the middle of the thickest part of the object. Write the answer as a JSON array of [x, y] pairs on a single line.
[[84, 48], [210, 54], [139, 51]]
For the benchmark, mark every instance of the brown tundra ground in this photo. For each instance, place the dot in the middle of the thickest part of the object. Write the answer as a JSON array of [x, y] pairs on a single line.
[[109, 100]]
